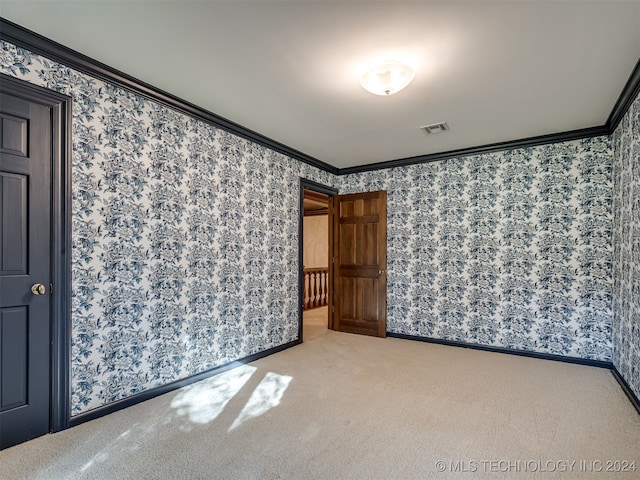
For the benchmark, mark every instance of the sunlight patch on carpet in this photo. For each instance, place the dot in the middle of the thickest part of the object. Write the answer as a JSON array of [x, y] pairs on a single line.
[[202, 402], [266, 396]]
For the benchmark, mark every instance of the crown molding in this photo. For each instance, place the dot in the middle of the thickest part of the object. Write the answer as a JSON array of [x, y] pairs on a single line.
[[492, 147], [39, 44], [629, 93]]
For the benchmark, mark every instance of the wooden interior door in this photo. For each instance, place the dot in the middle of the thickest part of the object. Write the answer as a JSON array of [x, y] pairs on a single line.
[[360, 263]]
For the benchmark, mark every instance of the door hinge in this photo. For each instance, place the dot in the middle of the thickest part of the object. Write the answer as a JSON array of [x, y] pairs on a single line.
[[51, 288]]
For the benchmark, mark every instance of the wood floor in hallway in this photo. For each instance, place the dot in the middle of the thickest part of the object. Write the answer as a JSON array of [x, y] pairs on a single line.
[[314, 323]]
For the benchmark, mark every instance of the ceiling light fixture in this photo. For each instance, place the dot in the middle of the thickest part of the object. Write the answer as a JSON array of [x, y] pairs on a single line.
[[387, 78]]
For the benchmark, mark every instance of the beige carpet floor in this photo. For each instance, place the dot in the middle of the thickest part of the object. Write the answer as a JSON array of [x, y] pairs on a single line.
[[343, 406]]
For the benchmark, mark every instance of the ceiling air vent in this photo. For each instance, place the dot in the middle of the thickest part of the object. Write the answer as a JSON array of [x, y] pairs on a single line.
[[435, 128]]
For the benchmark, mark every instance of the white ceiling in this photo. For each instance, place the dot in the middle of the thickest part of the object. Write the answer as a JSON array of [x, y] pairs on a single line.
[[289, 70]]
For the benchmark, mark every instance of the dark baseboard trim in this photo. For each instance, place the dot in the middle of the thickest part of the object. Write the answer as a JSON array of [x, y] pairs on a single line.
[[542, 356], [39, 44], [626, 388], [492, 147], [509, 351], [154, 392]]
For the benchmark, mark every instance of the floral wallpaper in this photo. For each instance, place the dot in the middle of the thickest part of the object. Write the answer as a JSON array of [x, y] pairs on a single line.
[[185, 239], [510, 249], [185, 243], [626, 235]]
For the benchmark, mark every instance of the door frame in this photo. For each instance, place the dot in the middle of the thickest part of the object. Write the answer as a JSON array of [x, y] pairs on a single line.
[[306, 184], [60, 247]]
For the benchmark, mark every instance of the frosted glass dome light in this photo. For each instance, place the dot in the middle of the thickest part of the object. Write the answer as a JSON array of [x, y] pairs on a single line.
[[387, 78]]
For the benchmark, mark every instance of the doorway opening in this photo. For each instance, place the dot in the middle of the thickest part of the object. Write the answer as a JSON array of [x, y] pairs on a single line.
[[315, 259]]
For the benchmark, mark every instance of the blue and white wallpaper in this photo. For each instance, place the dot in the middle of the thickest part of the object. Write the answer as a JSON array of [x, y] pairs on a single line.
[[185, 239], [185, 243], [510, 249], [626, 235]]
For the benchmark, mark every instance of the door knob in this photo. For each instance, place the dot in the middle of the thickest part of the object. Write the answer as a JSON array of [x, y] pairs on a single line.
[[38, 289]]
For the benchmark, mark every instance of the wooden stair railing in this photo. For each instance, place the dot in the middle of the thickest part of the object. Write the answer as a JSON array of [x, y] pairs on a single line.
[[316, 287]]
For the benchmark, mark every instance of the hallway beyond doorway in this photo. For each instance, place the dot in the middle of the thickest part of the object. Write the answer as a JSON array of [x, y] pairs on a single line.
[[314, 323]]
